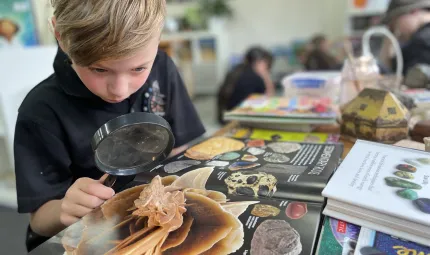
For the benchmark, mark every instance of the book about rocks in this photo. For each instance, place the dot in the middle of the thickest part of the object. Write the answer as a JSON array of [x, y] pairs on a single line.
[[180, 216], [338, 237], [373, 242], [385, 188], [259, 168]]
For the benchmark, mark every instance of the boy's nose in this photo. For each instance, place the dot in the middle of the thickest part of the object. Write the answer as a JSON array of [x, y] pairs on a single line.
[[119, 87]]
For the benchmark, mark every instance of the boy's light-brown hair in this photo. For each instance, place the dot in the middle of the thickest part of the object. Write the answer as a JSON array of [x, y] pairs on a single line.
[[94, 30]]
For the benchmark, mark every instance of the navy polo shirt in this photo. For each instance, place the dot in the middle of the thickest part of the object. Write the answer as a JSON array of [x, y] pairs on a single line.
[[59, 117]]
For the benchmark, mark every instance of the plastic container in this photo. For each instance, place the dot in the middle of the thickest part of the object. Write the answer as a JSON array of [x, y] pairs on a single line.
[[313, 84]]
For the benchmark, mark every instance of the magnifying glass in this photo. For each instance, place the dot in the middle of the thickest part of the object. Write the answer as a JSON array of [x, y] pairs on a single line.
[[131, 144]]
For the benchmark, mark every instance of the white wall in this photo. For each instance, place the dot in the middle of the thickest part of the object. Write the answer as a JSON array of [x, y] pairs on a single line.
[[272, 22], [268, 22], [43, 12]]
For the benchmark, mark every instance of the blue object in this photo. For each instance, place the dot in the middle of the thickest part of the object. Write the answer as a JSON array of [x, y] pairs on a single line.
[[308, 83]]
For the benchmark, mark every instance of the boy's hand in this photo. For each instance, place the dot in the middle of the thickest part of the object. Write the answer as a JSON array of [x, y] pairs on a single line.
[[82, 197]]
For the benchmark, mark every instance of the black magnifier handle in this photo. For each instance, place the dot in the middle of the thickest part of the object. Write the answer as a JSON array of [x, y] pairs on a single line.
[[109, 181]]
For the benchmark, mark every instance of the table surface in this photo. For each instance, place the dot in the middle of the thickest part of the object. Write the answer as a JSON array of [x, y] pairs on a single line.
[[54, 245]]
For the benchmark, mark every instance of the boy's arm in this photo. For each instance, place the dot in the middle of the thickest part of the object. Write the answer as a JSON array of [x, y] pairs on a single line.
[[42, 175], [81, 198], [46, 220]]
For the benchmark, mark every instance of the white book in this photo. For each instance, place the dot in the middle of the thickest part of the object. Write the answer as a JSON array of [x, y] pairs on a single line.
[[385, 188]]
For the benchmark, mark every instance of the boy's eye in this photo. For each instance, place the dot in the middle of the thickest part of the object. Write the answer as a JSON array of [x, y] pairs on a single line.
[[98, 70], [139, 69]]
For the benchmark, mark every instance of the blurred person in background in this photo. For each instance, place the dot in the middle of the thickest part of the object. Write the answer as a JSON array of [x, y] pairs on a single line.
[[409, 20], [250, 77], [320, 58], [8, 32]]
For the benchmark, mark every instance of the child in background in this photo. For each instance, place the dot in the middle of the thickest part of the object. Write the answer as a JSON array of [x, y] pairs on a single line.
[[108, 65], [250, 77], [409, 20], [319, 58]]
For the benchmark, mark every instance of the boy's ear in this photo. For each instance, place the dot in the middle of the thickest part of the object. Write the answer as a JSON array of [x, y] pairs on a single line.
[[53, 22], [54, 28]]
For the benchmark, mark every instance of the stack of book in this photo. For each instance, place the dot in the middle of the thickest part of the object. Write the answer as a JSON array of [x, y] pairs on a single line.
[[385, 190], [299, 114]]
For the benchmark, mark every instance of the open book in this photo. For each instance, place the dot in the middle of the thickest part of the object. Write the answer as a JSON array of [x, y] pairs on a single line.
[[385, 188], [286, 178], [280, 183]]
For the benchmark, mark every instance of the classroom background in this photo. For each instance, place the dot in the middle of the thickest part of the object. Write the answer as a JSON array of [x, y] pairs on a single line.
[[204, 49]]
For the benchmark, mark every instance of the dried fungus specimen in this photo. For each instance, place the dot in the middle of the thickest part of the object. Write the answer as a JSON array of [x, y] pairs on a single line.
[[162, 208], [171, 215]]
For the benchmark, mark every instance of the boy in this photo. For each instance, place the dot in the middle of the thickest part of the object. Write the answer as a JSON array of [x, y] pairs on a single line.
[[409, 20], [111, 66]]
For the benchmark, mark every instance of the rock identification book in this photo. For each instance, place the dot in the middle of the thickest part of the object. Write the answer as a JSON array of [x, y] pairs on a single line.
[[385, 188], [259, 168], [178, 215], [373, 242], [286, 178], [240, 197]]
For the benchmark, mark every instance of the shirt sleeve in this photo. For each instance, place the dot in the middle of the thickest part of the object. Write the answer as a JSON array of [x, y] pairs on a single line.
[[41, 166], [182, 116]]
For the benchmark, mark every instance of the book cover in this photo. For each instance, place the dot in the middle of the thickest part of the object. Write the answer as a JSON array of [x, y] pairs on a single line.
[[259, 168], [17, 24], [282, 107], [374, 242], [421, 97], [386, 179], [284, 136], [338, 237]]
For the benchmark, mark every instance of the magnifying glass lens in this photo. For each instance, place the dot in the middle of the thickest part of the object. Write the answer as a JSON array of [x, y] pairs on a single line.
[[133, 146]]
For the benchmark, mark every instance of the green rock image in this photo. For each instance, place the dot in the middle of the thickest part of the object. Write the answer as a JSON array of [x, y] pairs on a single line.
[[399, 183], [407, 194], [412, 162], [404, 175], [425, 161]]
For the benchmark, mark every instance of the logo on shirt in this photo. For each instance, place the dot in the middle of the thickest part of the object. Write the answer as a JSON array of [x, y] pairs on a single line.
[[154, 100]]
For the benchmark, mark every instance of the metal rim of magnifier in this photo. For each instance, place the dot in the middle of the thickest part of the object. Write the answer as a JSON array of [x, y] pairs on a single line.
[[127, 120]]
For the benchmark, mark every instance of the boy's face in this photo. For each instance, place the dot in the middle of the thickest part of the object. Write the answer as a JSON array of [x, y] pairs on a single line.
[[7, 29], [405, 26], [115, 80]]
